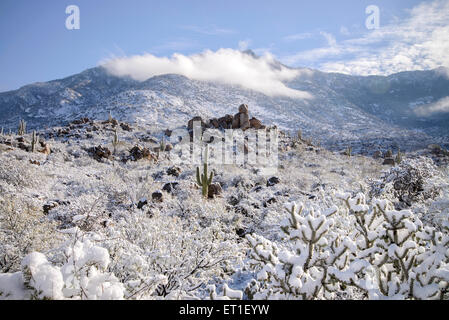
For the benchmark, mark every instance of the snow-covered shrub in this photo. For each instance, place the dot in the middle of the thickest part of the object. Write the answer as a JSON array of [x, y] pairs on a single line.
[[83, 275], [18, 174], [374, 251], [23, 229], [408, 182], [169, 256]]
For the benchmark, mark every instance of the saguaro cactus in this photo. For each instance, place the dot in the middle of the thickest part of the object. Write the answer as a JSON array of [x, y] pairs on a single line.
[[115, 140], [22, 128], [202, 179], [398, 157], [162, 145], [34, 141]]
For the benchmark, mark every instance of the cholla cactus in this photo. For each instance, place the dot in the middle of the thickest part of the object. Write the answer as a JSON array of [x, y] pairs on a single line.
[[372, 248], [34, 141], [22, 128], [300, 273], [403, 259], [202, 179]]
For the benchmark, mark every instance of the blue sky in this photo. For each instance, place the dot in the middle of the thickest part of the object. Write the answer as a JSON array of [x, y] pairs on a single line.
[[328, 35]]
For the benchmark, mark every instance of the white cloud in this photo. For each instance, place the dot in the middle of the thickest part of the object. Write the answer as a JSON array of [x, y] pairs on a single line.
[[441, 106], [418, 42], [225, 65], [298, 36]]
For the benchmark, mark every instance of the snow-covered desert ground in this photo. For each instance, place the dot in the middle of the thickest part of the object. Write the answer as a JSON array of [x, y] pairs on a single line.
[[82, 223]]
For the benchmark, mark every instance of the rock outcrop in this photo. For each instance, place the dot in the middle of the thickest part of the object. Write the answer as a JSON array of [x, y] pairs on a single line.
[[240, 120]]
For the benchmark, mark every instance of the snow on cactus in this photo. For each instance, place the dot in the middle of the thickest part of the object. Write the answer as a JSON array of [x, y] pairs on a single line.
[[386, 254], [300, 271]]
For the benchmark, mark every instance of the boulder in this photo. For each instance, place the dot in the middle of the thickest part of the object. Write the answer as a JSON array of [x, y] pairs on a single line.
[[214, 190], [126, 127], [170, 186], [195, 119], [225, 122], [244, 121], [168, 132], [174, 171], [168, 147], [100, 153], [272, 181], [142, 203], [157, 196], [139, 152], [236, 121], [213, 123], [255, 123], [389, 161], [243, 109]]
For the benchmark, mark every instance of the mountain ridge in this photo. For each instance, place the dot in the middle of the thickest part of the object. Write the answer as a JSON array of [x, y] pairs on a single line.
[[346, 109]]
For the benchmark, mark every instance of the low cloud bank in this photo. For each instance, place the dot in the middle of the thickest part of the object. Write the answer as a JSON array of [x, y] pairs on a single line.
[[225, 65], [440, 106]]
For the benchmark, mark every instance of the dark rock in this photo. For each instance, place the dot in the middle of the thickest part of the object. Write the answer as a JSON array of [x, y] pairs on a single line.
[[214, 190], [125, 126], [53, 204], [139, 152], [174, 171], [243, 108], [142, 203], [244, 121], [271, 200], [272, 181], [168, 147], [157, 196], [240, 232], [100, 153], [255, 123], [236, 121], [170, 186], [389, 161], [195, 119], [168, 132]]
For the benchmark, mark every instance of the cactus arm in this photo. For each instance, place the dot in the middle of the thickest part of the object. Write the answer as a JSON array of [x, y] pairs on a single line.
[[198, 179], [210, 177]]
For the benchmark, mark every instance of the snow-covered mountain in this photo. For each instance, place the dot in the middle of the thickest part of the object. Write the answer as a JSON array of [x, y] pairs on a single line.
[[362, 111]]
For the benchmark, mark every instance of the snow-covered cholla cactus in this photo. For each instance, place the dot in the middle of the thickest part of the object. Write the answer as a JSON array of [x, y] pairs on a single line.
[[83, 276], [301, 271], [369, 249], [402, 258]]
